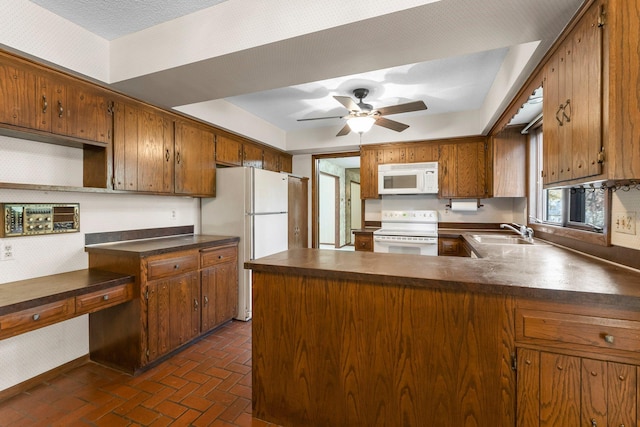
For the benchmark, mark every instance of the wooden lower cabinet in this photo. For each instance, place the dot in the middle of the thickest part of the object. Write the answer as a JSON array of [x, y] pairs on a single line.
[[179, 295], [219, 298], [576, 365], [364, 241], [556, 389]]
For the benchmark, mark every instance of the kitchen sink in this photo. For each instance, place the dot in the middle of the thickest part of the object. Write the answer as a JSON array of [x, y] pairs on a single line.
[[496, 239]]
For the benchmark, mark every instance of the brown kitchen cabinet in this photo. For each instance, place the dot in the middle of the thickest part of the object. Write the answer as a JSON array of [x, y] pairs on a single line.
[[143, 149], [576, 365], [219, 277], [449, 246], [195, 159], [179, 295], [573, 103], [363, 241], [507, 168], [368, 173], [37, 99], [228, 151], [252, 155], [271, 160], [463, 168], [298, 235]]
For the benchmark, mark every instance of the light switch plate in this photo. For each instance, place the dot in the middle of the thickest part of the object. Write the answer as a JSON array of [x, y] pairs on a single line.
[[625, 222]]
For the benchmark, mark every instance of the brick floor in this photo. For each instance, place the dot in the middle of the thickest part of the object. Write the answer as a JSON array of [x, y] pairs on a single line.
[[207, 384]]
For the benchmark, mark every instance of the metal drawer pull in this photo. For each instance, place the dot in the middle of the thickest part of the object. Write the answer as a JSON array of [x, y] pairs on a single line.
[[220, 256], [105, 297], [593, 422], [36, 316], [609, 338], [206, 300], [177, 266], [195, 304]]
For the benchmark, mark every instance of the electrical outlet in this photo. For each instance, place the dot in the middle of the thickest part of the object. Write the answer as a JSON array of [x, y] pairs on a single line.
[[6, 251], [173, 216], [625, 222]]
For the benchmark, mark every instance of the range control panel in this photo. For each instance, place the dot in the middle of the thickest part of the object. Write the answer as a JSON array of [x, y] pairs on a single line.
[[36, 219]]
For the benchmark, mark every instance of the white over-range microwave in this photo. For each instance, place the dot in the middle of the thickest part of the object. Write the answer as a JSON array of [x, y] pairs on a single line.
[[408, 178]]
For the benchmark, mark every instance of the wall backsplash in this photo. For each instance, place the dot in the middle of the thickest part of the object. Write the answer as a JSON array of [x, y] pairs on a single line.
[[624, 205]]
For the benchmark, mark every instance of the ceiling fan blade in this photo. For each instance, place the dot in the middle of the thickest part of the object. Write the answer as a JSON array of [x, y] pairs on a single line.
[[348, 103], [320, 118], [344, 131], [391, 124], [402, 108]]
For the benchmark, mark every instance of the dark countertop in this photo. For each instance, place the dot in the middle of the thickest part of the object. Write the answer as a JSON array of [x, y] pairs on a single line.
[[161, 245], [540, 270], [24, 294]]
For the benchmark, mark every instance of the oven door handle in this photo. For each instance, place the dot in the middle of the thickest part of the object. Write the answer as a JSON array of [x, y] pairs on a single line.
[[402, 242]]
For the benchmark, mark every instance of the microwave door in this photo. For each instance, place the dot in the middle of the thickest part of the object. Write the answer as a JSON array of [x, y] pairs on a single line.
[[401, 182]]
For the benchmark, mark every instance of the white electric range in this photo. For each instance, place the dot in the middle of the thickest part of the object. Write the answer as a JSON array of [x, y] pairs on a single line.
[[407, 232]]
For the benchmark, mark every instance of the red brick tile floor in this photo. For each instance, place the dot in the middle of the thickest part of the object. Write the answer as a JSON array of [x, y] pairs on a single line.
[[206, 384]]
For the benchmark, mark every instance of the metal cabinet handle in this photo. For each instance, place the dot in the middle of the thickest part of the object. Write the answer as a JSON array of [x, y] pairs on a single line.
[[60, 109], [609, 338], [45, 104], [105, 297], [195, 304], [177, 266], [167, 156], [206, 300], [567, 105], [178, 157], [220, 256], [593, 422], [36, 316], [559, 119]]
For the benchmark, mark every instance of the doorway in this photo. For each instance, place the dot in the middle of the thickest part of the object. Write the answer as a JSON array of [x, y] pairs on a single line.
[[347, 207]]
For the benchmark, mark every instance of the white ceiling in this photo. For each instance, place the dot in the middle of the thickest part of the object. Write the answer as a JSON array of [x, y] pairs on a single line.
[[282, 61]]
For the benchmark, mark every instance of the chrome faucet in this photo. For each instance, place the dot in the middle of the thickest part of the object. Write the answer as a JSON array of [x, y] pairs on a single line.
[[523, 230]]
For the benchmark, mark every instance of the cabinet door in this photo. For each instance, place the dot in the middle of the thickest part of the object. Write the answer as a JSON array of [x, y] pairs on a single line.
[[298, 212], [271, 161], [158, 315], [219, 294], [594, 392], [286, 163], [87, 113], [394, 155], [447, 179], [449, 246], [422, 152], [142, 150], [228, 151], [184, 309], [622, 396], [252, 156], [18, 93], [471, 169], [528, 388], [195, 163], [368, 173], [565, 130], [552, 111], [559, 390]]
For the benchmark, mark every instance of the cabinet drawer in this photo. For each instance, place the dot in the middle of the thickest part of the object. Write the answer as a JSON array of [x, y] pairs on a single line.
[[37, 317], [171, 266], [104, 298], [364, 242], [577, 329], [209, 257]]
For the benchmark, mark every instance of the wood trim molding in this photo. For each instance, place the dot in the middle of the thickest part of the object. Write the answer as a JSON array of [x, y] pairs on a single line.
[[46, 376]]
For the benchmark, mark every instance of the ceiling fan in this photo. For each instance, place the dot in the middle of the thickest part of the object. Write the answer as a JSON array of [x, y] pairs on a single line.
[[362, 116]]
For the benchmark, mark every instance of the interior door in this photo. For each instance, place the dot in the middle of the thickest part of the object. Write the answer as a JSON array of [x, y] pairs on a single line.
[[356, 206], [327, 209]]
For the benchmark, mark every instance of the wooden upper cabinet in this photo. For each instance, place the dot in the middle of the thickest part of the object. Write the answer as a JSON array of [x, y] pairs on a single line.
[[143, 149], [463, 169], [252, 155], [573, 103], [271, 160], [195, 159], [507, 173], [286, 163], [422, 152], [41, 100], [368, 173], [394, 155], [18, 92], [228, 151]]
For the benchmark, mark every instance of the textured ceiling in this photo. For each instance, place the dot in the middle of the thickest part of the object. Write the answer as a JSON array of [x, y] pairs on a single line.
[[455, 55], [111, 19]]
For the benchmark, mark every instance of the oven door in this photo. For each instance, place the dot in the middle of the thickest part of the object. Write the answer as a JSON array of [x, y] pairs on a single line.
[[405, 245]]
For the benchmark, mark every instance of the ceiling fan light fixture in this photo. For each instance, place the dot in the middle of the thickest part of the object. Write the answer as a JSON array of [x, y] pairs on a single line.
[[361, 124]]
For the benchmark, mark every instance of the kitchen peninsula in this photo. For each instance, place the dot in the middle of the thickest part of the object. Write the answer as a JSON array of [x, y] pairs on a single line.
[[365, 339]]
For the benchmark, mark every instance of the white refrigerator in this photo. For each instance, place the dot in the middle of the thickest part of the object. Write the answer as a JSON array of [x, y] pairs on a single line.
[[251, 204]]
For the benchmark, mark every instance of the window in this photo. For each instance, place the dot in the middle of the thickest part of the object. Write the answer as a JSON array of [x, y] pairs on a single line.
[[576, 207]]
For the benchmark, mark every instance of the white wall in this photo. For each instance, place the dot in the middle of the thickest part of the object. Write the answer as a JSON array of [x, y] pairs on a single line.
[[21, 161], [625, 205]]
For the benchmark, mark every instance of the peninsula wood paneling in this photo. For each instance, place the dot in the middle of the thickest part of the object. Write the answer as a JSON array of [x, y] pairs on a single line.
[[378, 354]]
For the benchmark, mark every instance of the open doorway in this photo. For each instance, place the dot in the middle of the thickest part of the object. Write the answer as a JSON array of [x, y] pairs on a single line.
[[343, 208]]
